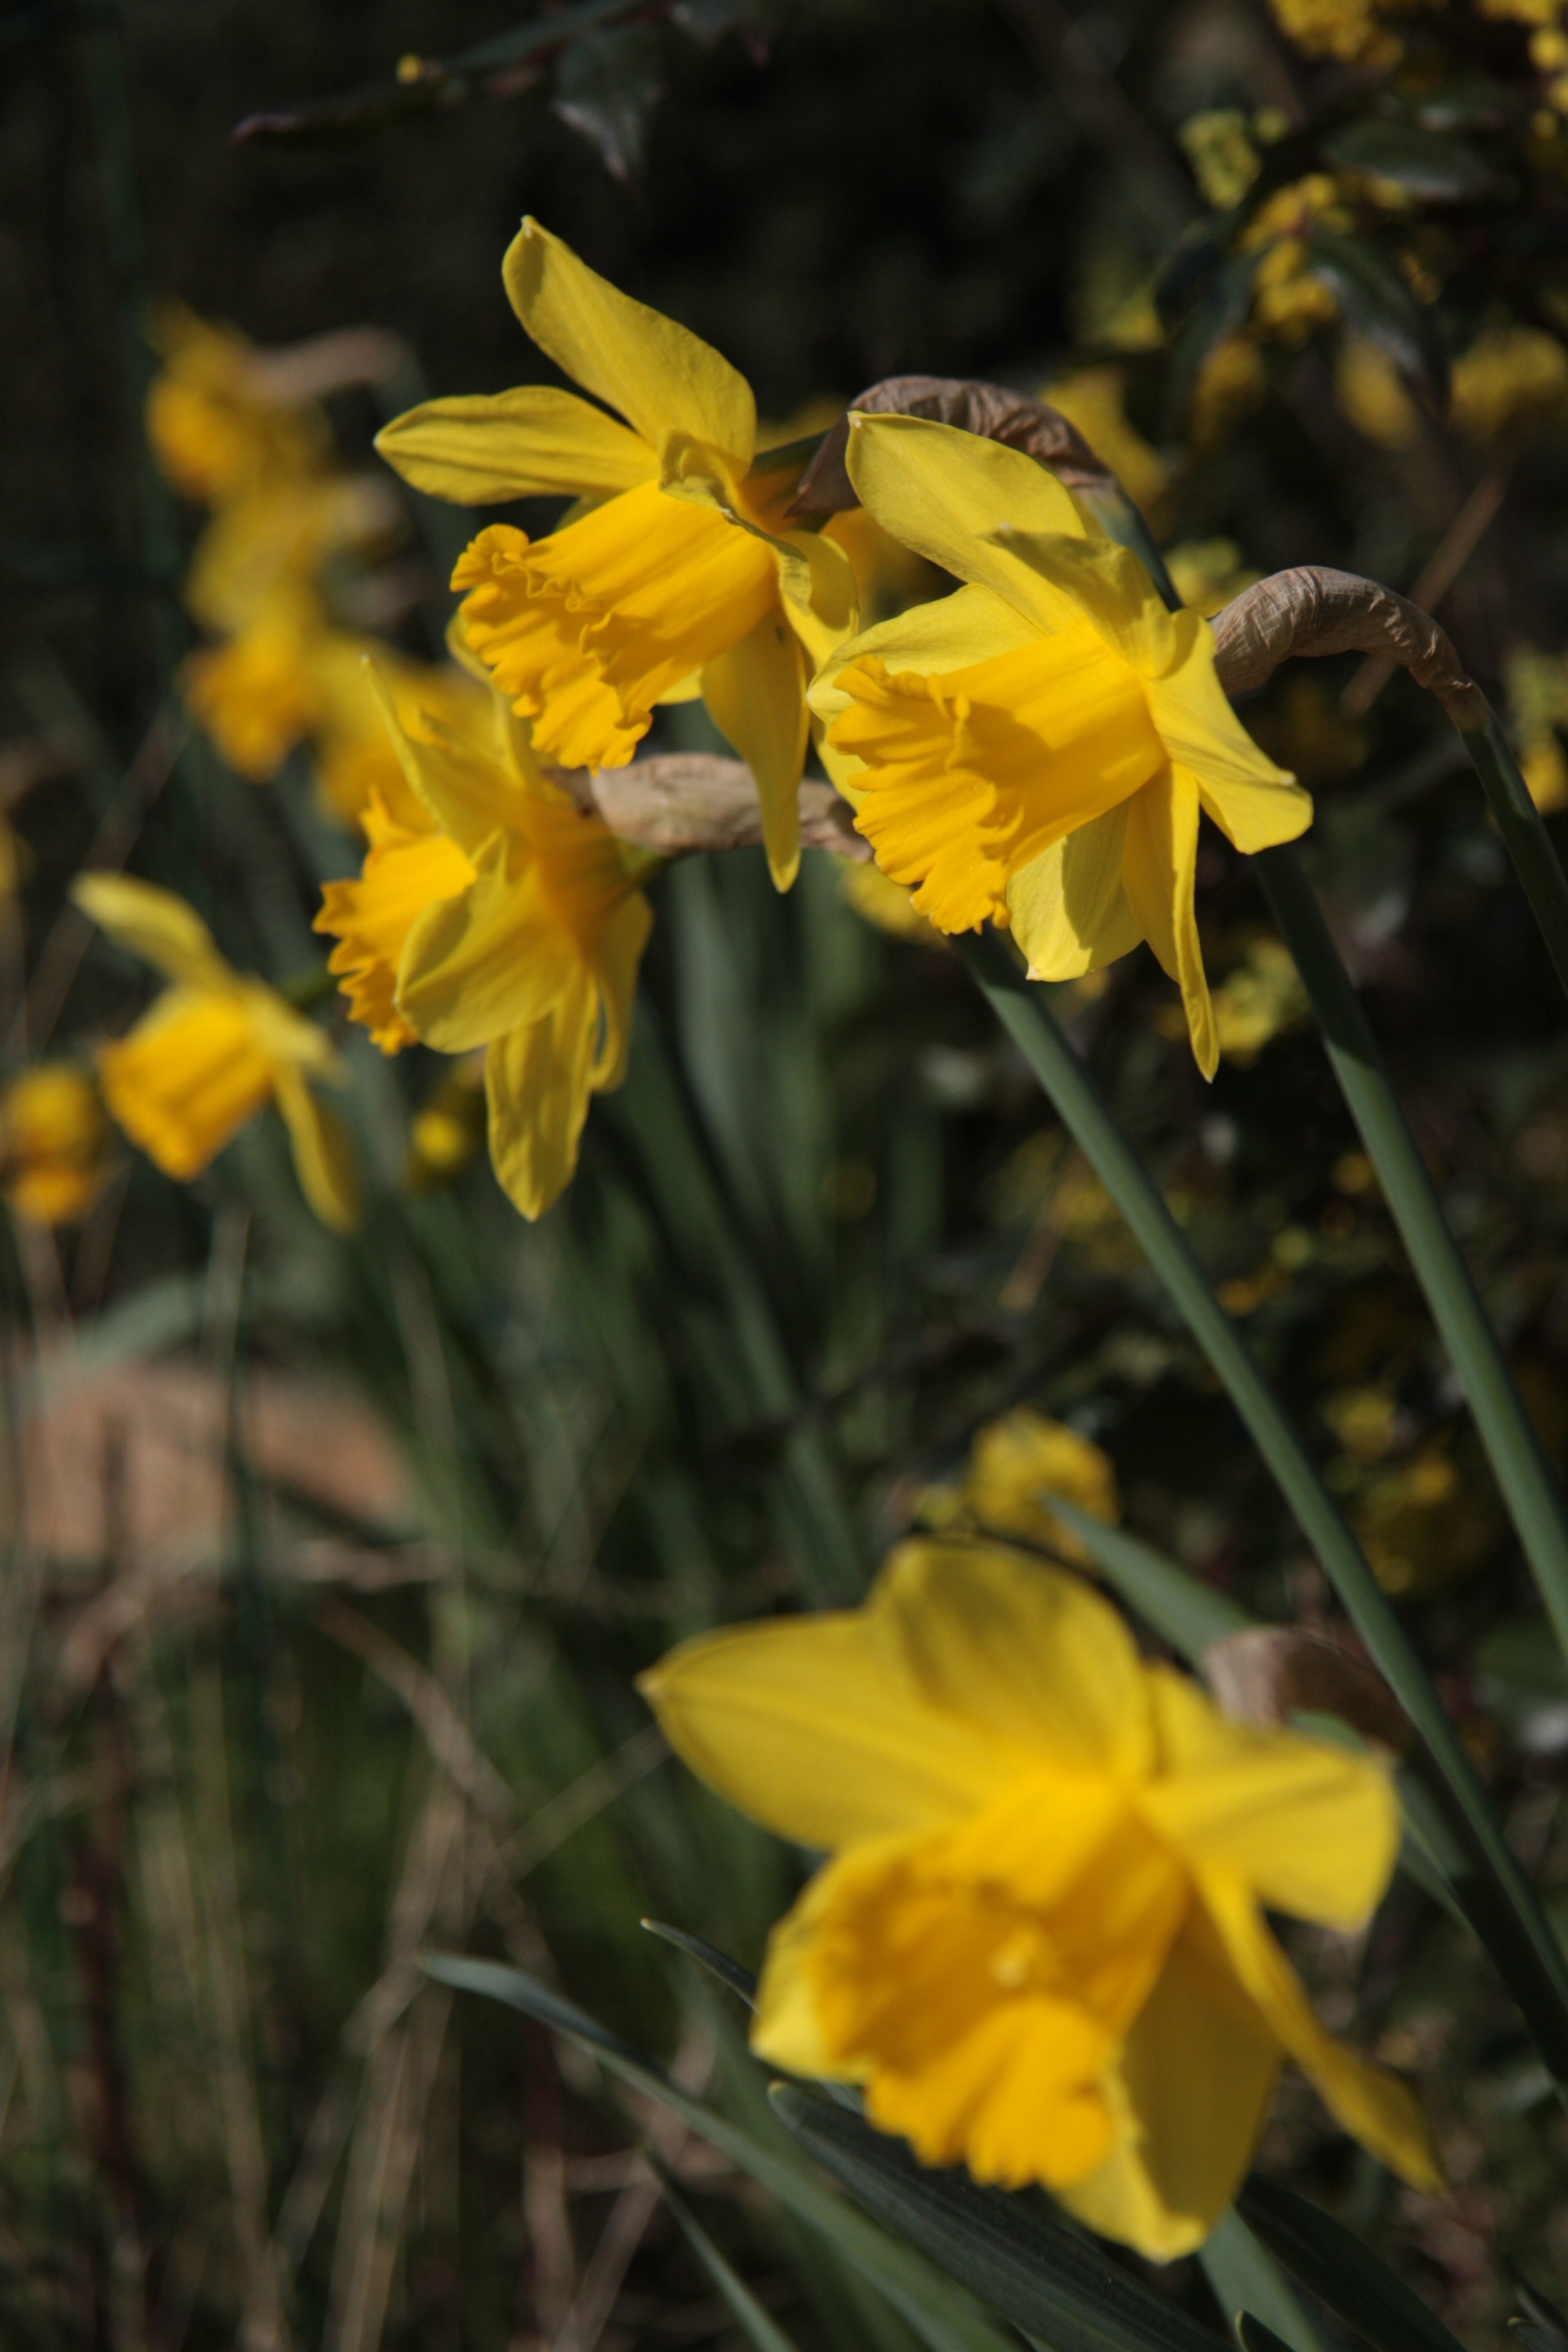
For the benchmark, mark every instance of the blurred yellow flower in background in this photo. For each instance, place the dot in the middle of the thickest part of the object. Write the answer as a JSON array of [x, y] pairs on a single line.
[[1537, 687], [215, 1048], [510, 920], [889, 905], [684, 567], [1039, 1944], [1015, 1461], [1373, 394], [212, 431], [1095, 400], [1208, 573], [53, 1143], [1511, 381], [1035, 749]]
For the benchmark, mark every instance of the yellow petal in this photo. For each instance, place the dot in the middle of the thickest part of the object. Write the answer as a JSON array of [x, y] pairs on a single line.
[[1312, 1829], [969, 774], [372, 916], [1021, 1650], [947, 494], [621, 944], [188, 1078], [481, 449], [323, 1153], [584, 630], [815, 1726], [1372, 2105], [951, 633], [454, 775], [824, 615], [1097, 579], [1190, 2089], [756, 695], [659, 376], [1158, 873], [153, 924], [537, 1089], [1254, 804], [492, 960], [1069, 910]]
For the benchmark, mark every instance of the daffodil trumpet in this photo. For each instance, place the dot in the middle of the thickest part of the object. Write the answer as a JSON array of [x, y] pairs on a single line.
[[502, 916], [213, 1051], [1036, 750], [1038, 1942], [679, 571]]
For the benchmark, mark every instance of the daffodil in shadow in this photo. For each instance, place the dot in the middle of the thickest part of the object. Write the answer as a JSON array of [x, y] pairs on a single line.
[[214, 1050], [1036, 750], [1039, 1941], [508, 918], [681, 575]]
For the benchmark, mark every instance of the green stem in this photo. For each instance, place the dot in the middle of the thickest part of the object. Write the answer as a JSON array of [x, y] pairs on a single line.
[[1510, 1442], [1498, 1898], [1524, 834]]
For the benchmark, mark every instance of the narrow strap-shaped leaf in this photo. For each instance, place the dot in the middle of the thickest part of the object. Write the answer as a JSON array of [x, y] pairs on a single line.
[[1027, 2261], [942, 2314], [707, 1955], [1524, 834], [757, 2326], [1246, 2282], [1505, 1431], [1344, 2275], [1172, 1603], [1497, 1897]]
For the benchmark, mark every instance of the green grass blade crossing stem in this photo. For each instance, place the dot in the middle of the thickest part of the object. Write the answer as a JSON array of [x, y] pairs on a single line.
[[1498, 1898]]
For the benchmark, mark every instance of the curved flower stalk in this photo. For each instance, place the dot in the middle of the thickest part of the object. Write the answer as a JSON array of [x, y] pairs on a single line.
[[215, 1048], [54, 1140], [1039, 1941], [683, 573], [505, 918], [1036, 750]]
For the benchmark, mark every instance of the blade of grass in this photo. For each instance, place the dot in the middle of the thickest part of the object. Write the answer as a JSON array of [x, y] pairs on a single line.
[[1243, 2277], [1524, 834], [942, 2314], [1040, 2270], [1343, 2273], [753, 2322], [1505, 1431], [1498, 1899]]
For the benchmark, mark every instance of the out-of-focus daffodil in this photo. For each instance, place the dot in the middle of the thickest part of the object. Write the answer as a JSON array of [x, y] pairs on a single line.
[[446, 1134], [213, 432], [1039, 1943], [512, 922], [889, 906], [683, 567], [54, 1140], [1036, 749], [214, 1050], [1014, 1463]]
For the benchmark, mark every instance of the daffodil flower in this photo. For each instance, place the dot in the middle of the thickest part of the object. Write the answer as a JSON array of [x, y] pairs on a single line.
[[1035, 749], [53, 1143], [510, 920], [683, 568], [1039, 1942], [213, 1051]]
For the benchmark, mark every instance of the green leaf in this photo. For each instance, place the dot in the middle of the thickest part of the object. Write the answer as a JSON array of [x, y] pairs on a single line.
[[942, 2314], [1344, 2275], [754, 2322], [707, 1955], [1246, 2285], [1026, 2259], [1377, 301], [1172, 1602], [606, 86], [1424, 163]]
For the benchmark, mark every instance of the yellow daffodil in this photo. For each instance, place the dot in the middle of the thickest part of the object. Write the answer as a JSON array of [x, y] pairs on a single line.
[[53, 1143], [1039, 1942], [214, 1050], [683, 568], [1036, 749], [1015, 1461], [212, 431], [512, 920]]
